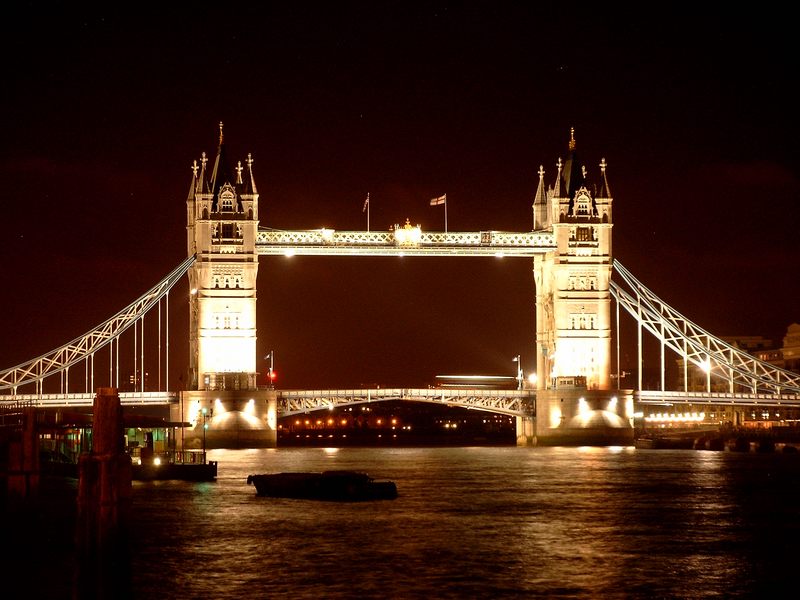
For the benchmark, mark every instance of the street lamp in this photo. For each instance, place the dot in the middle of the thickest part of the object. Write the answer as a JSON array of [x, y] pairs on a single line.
[[204, 410], [271, 374], [519, 371], [705, 366]]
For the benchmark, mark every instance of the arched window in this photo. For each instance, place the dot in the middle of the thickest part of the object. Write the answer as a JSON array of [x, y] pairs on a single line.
[[226, 199]]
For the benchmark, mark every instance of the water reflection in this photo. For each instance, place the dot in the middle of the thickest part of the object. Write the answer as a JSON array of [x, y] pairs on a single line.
[[500, 522]]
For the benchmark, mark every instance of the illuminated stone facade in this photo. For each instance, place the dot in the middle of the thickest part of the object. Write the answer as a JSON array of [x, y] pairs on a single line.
[[223, 405], [573, 302], [222, 223], [575, 404]]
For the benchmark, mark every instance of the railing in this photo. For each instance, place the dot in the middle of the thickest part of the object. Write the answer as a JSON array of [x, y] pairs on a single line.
[[411, 242], [87, 399], [171, 457], [723, 398]]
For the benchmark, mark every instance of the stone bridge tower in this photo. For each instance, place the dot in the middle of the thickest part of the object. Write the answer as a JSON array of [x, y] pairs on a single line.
[[222, 224], [573, 309]]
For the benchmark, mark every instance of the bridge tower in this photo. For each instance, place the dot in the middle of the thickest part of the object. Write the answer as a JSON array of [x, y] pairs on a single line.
[[223, 400], [573, 310]]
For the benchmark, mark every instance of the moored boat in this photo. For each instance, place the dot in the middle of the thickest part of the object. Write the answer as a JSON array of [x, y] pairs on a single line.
[[327, 485]]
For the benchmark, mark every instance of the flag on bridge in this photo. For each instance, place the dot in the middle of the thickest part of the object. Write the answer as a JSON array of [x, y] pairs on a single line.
[[440, 200], [366, 203]]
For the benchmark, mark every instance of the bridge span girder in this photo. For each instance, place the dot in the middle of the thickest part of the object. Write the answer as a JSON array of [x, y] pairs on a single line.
[[517, 403]]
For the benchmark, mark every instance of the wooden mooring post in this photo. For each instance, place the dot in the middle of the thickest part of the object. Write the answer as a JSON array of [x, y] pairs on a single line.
[[105, 475], [23, 461]]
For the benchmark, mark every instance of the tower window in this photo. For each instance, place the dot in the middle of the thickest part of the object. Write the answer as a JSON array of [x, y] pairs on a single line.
[[583, 206], [583, 234], [226, 198]]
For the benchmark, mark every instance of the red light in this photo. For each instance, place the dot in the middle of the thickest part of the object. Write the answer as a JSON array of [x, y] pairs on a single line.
[[272, 375]]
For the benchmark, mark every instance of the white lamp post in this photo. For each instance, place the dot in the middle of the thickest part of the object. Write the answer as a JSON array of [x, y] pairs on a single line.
[[519, 371]]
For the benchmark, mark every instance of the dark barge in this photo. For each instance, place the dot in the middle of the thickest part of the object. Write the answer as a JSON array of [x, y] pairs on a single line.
[[327, 485]]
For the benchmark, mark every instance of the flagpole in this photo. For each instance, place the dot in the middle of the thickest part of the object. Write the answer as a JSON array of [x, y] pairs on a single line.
[[366, 209], [441, 200]]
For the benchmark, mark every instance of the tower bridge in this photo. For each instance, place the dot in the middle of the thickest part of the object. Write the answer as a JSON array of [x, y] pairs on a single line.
[[577, 397]]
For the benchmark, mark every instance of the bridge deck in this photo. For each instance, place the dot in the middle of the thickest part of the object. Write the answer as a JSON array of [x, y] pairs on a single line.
[[717, 398], [509, 402]]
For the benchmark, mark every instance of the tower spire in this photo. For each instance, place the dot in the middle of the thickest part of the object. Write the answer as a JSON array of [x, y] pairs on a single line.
[[193, 187], [540, 209], [251, 182], [605, 191], [221, 135], [557, 187]]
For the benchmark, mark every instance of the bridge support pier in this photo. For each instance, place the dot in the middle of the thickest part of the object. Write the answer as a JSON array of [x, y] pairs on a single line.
[[228, 419], [526, 430], [575, 416]]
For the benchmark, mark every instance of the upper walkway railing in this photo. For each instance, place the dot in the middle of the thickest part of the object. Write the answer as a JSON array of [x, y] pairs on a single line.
[[403, 241]]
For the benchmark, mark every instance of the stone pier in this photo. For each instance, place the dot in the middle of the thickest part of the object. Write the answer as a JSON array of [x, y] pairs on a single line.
[[228, 419]]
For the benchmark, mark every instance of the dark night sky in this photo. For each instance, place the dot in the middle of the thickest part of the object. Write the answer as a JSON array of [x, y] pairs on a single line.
[[105, 111]]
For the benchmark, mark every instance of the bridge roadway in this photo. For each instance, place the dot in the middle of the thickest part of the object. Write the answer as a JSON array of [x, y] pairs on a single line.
[[653, 397], [292, 402], [506, 402]]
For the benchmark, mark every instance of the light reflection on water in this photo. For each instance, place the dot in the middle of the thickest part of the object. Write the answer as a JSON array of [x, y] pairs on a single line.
[[477, 523]]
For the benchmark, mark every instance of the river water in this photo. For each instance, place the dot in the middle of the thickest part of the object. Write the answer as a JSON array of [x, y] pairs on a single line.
[[471, 522]]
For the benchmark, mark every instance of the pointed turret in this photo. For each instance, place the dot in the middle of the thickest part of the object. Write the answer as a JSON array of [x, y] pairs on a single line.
[[202, 182], [249, 181], [193, 184], [603, 191], [222, 173], [541, 216], [573, 197], [574, 175], [557, 186]]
